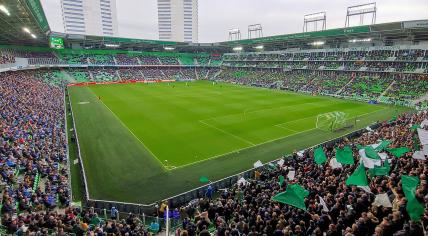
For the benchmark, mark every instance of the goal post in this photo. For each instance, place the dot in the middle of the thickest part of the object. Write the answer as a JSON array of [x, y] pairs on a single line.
[[333, 121]]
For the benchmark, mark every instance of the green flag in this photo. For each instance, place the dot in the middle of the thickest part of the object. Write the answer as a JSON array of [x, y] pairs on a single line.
[[358, 178], [394, 118], [381, 170], [371, 153], [398, 152], [319, 156], [416, 145], [344, 156], [415, 127], [294, 195], [383, 145], [204, 179], [281, 180], [414, 208], [271, 166]]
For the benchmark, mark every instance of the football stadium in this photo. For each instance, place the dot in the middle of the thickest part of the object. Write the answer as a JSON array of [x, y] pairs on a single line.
[[320, 132]]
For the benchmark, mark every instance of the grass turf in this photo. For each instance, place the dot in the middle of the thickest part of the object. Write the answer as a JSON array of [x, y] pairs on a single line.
[[200, 129]]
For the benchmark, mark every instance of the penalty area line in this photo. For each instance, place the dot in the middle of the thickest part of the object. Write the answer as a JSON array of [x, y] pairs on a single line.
[[225, 132]]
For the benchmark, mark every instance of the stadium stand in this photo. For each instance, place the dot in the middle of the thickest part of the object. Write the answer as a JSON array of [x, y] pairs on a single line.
[[369, 182], [33, 168], [124, 59]]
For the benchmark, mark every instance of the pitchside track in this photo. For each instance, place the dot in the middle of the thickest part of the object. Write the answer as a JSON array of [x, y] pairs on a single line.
[[145, 142]]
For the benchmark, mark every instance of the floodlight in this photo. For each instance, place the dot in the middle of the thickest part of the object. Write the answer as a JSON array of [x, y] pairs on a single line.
[[25, 29], [317, 43], [237, 48], [360, 40], [260, 47], [4, 10], [109, 45], [168, 48]]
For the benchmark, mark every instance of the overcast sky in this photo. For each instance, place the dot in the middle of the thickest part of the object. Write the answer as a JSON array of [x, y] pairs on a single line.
[[138, 18]]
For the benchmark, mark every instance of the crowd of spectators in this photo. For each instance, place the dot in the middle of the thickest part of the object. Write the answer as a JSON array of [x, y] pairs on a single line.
[[130, 74], [33, 160], [104, 75], [359, 85], [149, 60], [408, 87], [359, 60], [169, 60], [6, 58], [125, 59]]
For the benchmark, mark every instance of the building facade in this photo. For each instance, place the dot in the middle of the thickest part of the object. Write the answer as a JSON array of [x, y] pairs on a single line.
[[90, 17], [178, 20]]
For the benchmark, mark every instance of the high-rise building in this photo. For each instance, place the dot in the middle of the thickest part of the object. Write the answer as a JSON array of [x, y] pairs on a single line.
[[90, 17], [178, 20]]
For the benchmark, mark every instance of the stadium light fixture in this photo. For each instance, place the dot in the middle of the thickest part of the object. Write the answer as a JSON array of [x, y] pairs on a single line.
[[317, 43], [169, 48], [259, 47], [360, 40], [109, 45], [25, 29], [34, 36], [237, 49], [4, 10]]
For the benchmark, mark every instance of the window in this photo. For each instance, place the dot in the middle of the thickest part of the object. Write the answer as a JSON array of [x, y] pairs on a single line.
[[73, 13], [73, 9], [73, 18], [73, 1], [72, 5]]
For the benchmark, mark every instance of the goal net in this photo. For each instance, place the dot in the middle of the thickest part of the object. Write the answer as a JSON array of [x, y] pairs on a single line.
[[333, 121]]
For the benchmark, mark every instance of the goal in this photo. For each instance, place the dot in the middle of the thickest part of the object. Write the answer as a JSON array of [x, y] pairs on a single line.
[[333, 121]]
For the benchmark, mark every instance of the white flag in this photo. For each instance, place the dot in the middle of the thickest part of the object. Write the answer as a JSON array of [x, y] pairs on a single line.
[[382, 200], [335, 164], [374, 146], [383, 155], [419, 155], [300, 153], [291, 174], [425, 149], [258, 164], [423, 136], [369, 129], [281, 162], [368, 162], [324, 205], [424, 123], [242, 181], [365, 188]]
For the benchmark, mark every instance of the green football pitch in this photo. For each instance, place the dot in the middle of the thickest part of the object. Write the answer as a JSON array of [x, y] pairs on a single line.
[[145, 142]]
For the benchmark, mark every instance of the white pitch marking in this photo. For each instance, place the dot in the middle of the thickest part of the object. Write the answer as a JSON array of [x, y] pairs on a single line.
[[224, 131]]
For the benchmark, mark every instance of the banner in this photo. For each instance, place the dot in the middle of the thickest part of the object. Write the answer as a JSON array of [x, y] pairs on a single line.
[[119, 82], [415, 24]]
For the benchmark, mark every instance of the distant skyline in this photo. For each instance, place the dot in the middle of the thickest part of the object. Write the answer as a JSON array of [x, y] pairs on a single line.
[[138, 18]]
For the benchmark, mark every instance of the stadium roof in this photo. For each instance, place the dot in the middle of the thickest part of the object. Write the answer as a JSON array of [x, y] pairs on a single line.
[[23, 22], [386, 32]]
